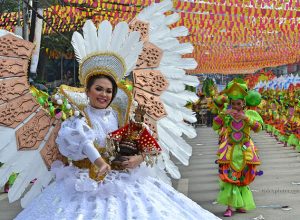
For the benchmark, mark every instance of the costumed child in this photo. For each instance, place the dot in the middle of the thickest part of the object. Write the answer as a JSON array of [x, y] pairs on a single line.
[[237, 157]]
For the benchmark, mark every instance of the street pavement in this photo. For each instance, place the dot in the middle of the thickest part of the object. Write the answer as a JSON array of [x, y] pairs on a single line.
[[276, 193]]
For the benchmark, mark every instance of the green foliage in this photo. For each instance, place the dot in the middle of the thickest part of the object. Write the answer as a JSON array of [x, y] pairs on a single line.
[[9, 6], [190, 88], [58, 42], [207, 87], [47, 3]]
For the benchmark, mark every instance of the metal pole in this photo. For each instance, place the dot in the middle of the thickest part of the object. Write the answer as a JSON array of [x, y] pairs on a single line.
[[25, 25], [19, 9], [61, 68], [74, 71], [33, 21]]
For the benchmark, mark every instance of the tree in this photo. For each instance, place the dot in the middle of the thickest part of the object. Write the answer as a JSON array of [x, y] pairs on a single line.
[[9, 6]]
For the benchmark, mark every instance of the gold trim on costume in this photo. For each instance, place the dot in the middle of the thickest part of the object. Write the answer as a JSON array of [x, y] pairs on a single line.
[[130, 100], [62, 89], [101, 69]]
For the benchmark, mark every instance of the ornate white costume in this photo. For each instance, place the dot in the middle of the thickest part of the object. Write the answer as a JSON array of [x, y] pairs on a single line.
[[123, 195]]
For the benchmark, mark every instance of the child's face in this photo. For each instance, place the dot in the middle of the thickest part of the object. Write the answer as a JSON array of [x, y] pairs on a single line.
[[237, 104], [138, 117]]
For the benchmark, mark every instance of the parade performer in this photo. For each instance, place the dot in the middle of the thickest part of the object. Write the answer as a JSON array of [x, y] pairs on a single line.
[[237, 157], [85, 186]]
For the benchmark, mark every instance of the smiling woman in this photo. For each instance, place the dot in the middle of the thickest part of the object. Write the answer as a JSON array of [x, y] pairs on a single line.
[[101, 90]]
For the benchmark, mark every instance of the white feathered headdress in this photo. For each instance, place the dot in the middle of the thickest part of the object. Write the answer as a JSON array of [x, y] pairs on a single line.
[[106, 51]]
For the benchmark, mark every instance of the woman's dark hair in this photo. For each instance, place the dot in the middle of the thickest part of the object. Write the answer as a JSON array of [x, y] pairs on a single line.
[[93, 78]]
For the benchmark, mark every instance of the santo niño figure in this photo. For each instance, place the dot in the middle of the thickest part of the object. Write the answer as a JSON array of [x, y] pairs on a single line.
[[133, 139]]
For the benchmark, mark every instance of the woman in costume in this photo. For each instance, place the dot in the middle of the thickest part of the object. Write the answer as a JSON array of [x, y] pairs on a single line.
[[237, 157], [88, 188], [122, 195]]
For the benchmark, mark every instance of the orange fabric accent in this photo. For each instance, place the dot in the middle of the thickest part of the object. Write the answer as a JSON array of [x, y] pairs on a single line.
[[249, 175]]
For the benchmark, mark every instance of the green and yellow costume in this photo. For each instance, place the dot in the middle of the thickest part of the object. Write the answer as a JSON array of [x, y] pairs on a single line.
[[237, 157]]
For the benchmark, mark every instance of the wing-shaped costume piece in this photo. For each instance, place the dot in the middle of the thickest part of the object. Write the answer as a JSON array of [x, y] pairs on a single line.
[[153, 58], [160, 79], [146, 50], [27, 132]]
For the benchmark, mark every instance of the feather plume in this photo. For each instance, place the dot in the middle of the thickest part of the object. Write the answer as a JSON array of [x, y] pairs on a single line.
[[156, 8], [163, 33], [90, 37], [167, 43], [164, 6], [5, 172], [173, 113], [170, 125], [180, 31], [179, 144], [177, 113], [156, 22], [40, 183], [176, 86], [22, 181], [147, 12], [131, 59], [188, 114], [8, 152], [188, 130], [170, 19], [119, 35], [191, 80], [78, 45], [172, 72], [182, 48], [178, 98], [104, 36], [132, 39], [181, 152], [186, 63], [171, 167]]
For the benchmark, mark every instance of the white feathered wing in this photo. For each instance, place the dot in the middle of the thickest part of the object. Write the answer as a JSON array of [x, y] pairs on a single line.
[[25, 128], [171, 126]]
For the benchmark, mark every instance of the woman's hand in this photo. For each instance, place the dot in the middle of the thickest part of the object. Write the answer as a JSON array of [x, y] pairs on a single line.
[[102, 165], [132, 161]]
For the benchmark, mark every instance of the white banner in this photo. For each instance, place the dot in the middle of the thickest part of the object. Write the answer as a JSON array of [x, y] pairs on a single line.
[[37, 42]]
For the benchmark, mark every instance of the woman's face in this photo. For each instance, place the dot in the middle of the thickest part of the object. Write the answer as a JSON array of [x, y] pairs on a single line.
[[100, 93], [237, 104]]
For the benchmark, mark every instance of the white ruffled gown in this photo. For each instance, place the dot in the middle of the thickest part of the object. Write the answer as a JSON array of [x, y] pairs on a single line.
[[132, 195]]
